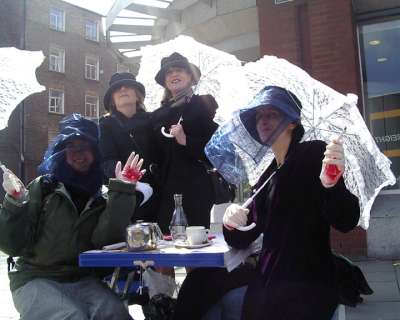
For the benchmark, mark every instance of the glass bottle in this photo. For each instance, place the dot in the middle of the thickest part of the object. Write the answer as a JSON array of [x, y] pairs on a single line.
[[178, 222]]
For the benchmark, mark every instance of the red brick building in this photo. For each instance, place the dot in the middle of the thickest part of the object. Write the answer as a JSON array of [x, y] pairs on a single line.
[[76, 72], [352, 46]]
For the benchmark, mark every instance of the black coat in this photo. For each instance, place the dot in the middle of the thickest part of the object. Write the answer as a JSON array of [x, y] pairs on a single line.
[[119, 136], [295, 212], [180, 168]]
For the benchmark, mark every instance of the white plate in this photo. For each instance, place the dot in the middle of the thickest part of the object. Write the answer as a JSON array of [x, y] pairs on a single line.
[[186, 245]]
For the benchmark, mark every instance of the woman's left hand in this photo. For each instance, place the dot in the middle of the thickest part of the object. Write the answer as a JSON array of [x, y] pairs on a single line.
[[177, 131], [131, 172], [333, 164]]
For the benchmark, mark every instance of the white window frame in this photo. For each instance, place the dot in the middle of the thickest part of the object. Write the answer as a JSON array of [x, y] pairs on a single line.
[[122, 68], [59, 15], [92, 70], [57, 63], [89, 105], [93, 25], [56, 103]]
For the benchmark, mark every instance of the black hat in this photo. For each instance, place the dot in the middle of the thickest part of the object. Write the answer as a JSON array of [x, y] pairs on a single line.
[[176, 60], [122, 79]]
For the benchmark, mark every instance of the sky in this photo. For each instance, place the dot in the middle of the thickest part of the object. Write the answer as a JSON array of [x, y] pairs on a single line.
[[99, 6]]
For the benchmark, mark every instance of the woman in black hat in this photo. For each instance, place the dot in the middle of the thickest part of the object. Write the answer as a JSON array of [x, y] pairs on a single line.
[[126, 128], [187, 120]]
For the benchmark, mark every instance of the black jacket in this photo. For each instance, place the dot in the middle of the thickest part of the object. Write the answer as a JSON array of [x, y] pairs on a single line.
[[295, 212], [180, 167], [119, 136]]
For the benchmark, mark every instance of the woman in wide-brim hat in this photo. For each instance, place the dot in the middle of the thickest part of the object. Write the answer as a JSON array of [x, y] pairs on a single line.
[[188, 119], [178, 61], [117, 82], [126, 128]]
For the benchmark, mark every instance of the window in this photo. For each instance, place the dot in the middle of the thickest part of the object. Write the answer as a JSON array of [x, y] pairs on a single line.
[[56, 59], [56, 101], [91, 106], [92, 68], [380, 56], [122, 68], [57, 19], [92, 30]]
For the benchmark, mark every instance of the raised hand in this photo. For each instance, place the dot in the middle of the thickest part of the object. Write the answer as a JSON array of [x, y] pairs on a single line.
[[12, 185], [333, 164], [131, 172]]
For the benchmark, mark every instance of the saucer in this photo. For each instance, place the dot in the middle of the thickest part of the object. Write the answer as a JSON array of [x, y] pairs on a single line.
[[184, 244]]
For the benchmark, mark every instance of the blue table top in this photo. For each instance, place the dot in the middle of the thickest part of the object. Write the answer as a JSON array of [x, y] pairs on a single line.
[[212, 256], [126, 259]]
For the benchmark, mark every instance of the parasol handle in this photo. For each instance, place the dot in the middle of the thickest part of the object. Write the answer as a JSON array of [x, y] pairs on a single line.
[[165, 133], [247, 228], [250, 200]]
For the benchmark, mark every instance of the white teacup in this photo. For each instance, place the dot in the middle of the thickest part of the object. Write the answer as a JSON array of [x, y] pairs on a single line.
[[196, 235]]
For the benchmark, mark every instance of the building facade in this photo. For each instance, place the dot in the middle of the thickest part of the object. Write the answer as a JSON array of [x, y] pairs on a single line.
[[352, 46], [76, 72]]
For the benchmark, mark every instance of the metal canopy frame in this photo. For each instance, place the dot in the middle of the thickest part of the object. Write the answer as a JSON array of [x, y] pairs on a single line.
[[143, 18]]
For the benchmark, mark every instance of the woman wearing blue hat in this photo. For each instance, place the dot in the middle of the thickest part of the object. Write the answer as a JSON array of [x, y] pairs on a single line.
[[295, 211], [297, 276], [126, 128], [59, 215]]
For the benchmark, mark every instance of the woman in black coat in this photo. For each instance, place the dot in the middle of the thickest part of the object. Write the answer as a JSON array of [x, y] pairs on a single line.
[[296, 272], [127, 128], [180, 157]]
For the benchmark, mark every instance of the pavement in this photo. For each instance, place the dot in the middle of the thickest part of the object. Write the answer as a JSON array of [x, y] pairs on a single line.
[[383, 277], [384, 304]]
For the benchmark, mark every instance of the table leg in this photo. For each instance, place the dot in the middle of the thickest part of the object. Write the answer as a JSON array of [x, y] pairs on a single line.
[[128, 282], [114, 278]]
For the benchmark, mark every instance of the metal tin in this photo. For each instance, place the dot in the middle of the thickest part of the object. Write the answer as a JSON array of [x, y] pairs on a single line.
[[142, 236]]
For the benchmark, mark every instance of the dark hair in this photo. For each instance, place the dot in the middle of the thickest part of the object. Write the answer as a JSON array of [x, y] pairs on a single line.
[[295, 99], [297, 133]]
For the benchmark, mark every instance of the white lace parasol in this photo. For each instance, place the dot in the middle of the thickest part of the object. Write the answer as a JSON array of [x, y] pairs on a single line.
[[325, 114], [17, 79], [211, 62]]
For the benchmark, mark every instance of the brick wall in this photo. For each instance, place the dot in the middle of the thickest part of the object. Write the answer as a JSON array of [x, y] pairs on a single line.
[[11, 29], [353, 243], [318, 35], [40, 125], [278, 30]]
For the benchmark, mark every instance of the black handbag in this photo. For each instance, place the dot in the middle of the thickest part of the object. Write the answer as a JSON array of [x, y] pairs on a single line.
[[223, 191]]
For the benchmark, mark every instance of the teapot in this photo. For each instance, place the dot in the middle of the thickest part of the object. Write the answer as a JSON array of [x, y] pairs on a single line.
[[143, 236]]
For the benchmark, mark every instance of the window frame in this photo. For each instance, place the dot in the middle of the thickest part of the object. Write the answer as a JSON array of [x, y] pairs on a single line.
[[53, 97], [62, 50], [122, 68], [363, 84], [57, 27], [97, 66], [93, 22], [88, 95]]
